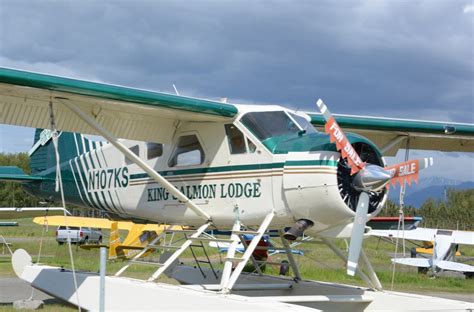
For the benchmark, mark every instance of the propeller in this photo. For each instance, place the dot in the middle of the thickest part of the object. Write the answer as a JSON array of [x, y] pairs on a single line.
[[368, 179]]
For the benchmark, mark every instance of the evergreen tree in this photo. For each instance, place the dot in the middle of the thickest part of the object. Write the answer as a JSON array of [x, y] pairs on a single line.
[[12, 194]]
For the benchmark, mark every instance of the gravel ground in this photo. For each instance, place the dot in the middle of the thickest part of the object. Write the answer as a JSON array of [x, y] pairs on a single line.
[[12, 289]]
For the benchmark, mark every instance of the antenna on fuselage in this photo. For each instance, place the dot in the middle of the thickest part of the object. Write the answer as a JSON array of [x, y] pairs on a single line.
[[175, 90]]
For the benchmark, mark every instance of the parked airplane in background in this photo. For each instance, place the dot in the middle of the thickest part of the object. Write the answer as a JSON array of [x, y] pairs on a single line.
[[210, 164], [445, 246], [138, 237]]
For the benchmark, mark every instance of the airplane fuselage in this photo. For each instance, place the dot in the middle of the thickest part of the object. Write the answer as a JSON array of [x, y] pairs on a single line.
[[294, 174]]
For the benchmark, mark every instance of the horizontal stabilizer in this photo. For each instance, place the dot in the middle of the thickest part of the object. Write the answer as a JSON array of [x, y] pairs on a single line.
[[15, 174], [28, 212], [417, 262], [454, 266], [93, 246], [129, 247]]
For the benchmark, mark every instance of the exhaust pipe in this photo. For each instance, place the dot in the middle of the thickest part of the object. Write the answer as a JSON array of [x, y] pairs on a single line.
[[298, 229]]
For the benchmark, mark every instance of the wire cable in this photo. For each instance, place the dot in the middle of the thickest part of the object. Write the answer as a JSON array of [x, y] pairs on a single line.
[[401, 218], [59, 187]]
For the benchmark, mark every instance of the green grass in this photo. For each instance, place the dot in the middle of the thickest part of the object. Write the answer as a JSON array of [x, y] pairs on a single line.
[[319, 263]]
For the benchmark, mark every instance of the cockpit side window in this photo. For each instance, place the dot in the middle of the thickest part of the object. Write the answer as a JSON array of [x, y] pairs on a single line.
[[236, 139], [269, 124], [188, 152]]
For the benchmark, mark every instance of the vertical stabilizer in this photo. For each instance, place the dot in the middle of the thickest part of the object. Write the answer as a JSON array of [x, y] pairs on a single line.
[[70, 145]]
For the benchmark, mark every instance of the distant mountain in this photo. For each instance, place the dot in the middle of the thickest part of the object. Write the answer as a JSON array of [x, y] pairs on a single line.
[[433, 187]]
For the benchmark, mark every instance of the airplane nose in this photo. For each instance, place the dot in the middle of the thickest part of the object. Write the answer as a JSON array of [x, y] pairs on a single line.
[[371, 178]]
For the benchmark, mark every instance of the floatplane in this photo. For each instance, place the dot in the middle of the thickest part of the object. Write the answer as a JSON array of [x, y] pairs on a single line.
[[208, 165]]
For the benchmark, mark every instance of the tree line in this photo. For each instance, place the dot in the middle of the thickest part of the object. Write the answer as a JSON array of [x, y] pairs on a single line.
[[11, 193], [457, 212]]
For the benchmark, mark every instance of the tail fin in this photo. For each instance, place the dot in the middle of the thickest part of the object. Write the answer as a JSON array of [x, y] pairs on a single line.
[[70, 145]]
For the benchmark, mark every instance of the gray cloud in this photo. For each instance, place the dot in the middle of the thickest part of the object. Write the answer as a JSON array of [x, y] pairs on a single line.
[[409, 59], [380, 58]]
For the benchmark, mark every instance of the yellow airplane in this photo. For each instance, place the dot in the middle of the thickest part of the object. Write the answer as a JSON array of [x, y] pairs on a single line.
[[428, 248], [139, 235]]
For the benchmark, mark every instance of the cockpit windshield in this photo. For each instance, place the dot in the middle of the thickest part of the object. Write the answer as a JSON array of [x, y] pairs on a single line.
[[276, 123]]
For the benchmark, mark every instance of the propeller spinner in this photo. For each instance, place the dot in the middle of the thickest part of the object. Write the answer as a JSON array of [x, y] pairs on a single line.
[[368, 179]]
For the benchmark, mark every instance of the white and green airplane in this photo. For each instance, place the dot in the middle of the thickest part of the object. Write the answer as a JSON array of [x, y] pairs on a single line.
[[204, 163]]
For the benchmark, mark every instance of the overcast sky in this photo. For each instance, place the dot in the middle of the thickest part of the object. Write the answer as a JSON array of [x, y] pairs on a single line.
[[409, 59]]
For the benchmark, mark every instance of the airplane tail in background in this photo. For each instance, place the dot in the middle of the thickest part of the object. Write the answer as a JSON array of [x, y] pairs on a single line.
[[70, 145]]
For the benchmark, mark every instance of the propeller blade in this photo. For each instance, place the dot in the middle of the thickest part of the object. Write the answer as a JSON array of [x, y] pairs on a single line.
[[342, 143], [408, 171], [357, 236]]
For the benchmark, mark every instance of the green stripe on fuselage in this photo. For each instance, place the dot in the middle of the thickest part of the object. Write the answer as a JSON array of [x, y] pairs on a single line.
[[292, 163]]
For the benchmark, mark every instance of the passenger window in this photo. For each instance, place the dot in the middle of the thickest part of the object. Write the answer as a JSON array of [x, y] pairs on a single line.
[[188, 152], [134, 149], [154, 150], [252, 147], [236, 140]]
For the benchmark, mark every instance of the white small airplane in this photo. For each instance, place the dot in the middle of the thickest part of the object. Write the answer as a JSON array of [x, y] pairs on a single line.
[[445, 245], [215, 165]]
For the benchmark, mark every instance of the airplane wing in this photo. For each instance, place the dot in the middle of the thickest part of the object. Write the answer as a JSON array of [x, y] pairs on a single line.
[[417, 262], [463, 237], [423, 135], [422, 234], [428, 235], [93, 222], [454, 266], [134, 114], [142, 115]]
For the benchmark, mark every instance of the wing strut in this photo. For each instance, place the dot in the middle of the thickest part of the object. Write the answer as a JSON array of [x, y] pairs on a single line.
[[131, 156]]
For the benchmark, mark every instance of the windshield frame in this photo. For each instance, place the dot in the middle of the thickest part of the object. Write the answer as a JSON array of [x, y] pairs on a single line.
[[309, 129]]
